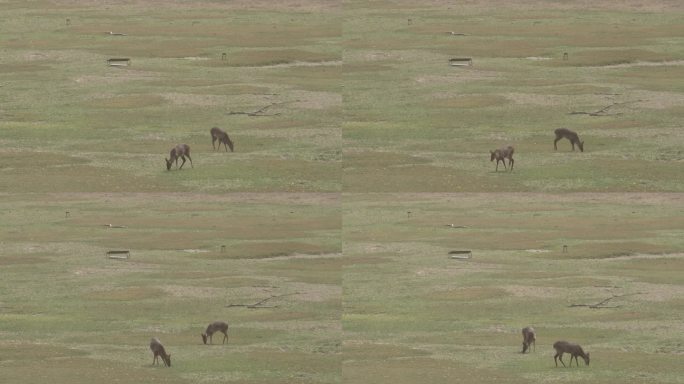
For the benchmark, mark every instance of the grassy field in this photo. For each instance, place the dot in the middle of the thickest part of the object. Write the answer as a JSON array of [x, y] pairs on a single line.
[[356, 148], [417, 124], [69, 314], [413, 314], [66, 114]]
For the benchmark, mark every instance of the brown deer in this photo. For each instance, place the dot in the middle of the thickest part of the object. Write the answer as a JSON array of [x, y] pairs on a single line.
[[529, 338], [180, 150], [216, 326], [501, 154], [570, 135], [574, 350], [158, 350], [222, 137]]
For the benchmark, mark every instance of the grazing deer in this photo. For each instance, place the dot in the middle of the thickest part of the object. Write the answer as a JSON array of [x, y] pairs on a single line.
[[573, 349], [158, 350], [222, 137], [180, 150], [570, 135], [529, 338], [216, 326], [501, 154]]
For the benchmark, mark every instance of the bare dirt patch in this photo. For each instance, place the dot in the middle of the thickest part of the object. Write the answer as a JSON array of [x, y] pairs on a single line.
[[194, 99], [316, 100], [193, 292]]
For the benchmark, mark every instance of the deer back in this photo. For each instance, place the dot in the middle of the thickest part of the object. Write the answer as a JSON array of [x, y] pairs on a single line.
[[503, 153], [217, 326], [565, 347], [568, 134], [529, 334], [182, 149], [156, 346], [216, 132]]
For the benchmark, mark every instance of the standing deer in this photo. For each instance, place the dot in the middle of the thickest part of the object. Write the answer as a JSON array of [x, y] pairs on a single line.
[[180, 150], [222, 137], [216, 326], [529, 338], [158, 350], [570, 135], [501, 154], [573, 349]]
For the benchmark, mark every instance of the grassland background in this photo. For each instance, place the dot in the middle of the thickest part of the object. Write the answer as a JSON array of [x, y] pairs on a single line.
[[366, 122]]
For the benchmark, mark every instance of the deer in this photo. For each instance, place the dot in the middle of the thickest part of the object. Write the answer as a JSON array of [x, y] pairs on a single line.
[[222, 137], [501, 154], [216, 326], [180, 150], [158, 350], [574, 350], [570, 135], [529, 338]]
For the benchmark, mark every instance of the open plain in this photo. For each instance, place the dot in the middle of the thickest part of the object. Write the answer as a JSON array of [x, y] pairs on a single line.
[[361, 160]]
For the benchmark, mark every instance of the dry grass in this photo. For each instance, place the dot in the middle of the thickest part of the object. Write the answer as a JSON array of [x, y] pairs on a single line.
[[125, 102], [125, 294], [258, 58], [606, 57], [469, 101]]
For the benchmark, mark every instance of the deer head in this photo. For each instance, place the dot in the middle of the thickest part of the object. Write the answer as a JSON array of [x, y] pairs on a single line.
[[168, 164], [586, 359], [204, 338], [493, 156]]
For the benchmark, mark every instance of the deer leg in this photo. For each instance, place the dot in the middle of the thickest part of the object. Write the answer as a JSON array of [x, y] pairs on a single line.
[[190, 160], [555, 147], [225, 337], [213, 141], [183, 163], [560, 357], [510, 162], [573, 145], [504, 163]]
